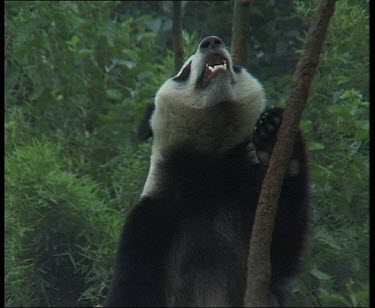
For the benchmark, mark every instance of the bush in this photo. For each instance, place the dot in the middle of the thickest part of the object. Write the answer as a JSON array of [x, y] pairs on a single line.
[[52, 219]]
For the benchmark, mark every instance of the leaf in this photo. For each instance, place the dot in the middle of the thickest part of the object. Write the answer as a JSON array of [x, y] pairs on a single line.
[[361, 134], [36, 93], [320, 275], [111, 33], [342, 79], [353, 299], [341, 111], [73, 42], [336, 297], [85, 52], [327, 239], [154, 24], [363, 297], [128, 64], [342, 204], [114, 93], [23, 33], [145, 36], [315, 146], [363, 124]]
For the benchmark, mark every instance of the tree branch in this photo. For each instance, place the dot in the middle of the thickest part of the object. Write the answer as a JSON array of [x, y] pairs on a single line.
[[240, 32], [177, 36], [259, 271]]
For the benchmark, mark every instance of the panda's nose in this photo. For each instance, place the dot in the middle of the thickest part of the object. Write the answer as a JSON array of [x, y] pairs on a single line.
[[211, 42]]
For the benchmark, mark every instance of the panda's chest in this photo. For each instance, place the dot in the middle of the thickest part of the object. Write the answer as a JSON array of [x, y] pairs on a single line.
[[207, 255]]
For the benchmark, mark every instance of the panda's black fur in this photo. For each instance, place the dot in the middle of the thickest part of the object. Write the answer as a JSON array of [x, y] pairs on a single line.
[[186, 242]]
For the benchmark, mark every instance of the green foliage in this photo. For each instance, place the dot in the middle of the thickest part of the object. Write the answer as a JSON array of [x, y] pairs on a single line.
[[52, 219], [67, 54], [347, 46]]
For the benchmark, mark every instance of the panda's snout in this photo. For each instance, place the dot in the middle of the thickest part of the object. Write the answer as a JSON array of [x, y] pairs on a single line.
[[211, 43]]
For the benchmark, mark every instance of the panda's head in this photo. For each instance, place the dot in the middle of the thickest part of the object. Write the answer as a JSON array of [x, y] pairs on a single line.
[[211, 104], [209, 74]]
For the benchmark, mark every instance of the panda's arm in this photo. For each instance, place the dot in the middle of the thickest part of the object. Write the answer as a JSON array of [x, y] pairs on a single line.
[[293, 209], [292, 220], [139, 269]]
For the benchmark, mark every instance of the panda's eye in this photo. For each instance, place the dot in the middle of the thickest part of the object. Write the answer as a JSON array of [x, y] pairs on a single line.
[[184, 74]]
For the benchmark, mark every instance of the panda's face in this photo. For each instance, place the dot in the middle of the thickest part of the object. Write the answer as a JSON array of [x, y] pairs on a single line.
[[209, 77], [209, 73]]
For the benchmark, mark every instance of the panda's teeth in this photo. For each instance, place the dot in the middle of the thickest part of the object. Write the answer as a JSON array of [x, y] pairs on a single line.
[[215, 67]]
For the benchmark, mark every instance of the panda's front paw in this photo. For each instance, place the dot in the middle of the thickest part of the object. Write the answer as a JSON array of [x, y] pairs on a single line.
[[264, 138], [265, 133]]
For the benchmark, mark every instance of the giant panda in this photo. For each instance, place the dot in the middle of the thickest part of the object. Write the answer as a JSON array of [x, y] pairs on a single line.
[[186, 242]]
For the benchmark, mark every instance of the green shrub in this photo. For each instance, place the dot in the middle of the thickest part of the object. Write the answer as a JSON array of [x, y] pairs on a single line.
[[52, 219]]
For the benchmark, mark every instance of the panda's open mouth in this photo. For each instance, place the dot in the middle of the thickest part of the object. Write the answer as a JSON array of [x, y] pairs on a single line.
[[215, 63]]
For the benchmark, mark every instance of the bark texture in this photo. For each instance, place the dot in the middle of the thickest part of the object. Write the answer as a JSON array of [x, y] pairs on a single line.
[[177, 36], [240, 31]]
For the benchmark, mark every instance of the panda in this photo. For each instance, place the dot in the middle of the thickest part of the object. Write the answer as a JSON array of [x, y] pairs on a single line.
[[186, 242]]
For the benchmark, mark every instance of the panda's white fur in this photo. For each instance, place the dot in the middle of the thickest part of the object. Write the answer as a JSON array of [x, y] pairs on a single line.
[[214, 118]]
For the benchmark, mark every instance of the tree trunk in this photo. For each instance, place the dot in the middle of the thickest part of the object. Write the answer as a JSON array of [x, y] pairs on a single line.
[[177, 36], [240, 32], [259, 271]]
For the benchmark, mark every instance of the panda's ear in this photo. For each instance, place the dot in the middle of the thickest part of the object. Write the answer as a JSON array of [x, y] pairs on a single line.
[[144, 128]]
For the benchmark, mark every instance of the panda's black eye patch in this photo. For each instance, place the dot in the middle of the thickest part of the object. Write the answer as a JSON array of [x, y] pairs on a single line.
[[184, 75]]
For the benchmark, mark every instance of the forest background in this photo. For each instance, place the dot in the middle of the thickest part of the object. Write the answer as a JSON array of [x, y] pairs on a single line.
[[78, 78]]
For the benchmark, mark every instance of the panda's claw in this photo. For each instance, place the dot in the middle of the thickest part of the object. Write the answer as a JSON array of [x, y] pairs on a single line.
[[265, 133]]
